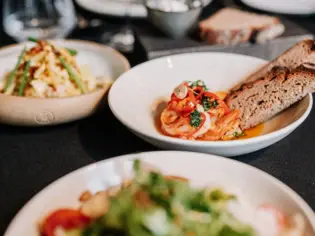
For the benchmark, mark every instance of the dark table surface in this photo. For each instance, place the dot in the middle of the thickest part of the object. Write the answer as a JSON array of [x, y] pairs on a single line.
[[31, 158]]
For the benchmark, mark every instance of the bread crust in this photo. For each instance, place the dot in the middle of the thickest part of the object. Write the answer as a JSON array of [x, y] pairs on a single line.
[[216, 35]]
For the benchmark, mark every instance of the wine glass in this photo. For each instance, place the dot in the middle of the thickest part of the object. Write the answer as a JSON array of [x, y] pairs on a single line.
[[123, 39], [40, 19]]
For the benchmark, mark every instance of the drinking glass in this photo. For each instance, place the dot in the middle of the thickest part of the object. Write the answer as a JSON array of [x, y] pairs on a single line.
[[40, 19], [123, 39]]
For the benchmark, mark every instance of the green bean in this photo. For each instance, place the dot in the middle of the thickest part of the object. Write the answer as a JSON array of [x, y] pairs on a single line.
[[24, 80], [9, 82], [72, 52], [32, 39], [72, 75]]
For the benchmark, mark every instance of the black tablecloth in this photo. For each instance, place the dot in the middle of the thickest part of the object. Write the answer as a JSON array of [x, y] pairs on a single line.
[[31, 158]]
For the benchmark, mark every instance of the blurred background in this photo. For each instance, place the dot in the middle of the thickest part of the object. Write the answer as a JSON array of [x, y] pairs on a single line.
[[147, 29]]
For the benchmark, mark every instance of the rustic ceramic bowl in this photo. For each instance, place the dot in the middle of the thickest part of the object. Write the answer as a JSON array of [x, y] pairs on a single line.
[[25, 111]]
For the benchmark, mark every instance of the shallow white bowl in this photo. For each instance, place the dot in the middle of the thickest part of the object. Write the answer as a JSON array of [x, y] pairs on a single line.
[[135, 96], [201, 169], [26, 111]]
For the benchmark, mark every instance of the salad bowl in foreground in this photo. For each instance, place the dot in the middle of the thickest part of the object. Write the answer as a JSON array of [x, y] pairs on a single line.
[[264, 196]]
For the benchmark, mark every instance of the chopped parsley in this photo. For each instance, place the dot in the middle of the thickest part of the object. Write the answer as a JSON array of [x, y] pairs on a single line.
[[195, 119], [207, 104], [236, 134], [197, 83]]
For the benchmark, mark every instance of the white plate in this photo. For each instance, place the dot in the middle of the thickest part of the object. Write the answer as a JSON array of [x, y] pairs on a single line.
[[26, 111], [118, 7], [202, 169], [283, 6], [147, 84]]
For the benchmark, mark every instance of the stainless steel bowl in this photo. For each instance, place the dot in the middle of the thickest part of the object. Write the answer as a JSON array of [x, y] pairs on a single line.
[[173, 18]]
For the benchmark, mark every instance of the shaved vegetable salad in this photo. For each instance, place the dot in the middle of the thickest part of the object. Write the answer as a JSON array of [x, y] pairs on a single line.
[[156, 205], [46, 71], [194, 112]]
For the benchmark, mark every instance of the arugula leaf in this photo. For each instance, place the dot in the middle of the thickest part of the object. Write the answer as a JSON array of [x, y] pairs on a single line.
[[195, 119]]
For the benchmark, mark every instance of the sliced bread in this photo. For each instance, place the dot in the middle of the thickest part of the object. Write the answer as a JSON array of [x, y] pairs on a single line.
[[233, 26], [263, 98], [300, 53]]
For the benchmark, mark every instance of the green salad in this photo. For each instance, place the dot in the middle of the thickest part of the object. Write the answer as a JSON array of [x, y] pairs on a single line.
[[155, 205]]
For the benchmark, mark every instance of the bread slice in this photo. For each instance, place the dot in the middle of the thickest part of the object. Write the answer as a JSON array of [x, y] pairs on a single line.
[[300, 53], [262, 99], [232, 26]]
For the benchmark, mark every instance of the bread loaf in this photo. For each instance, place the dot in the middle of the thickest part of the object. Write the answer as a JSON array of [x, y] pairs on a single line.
[[263, 98], [232, 26]]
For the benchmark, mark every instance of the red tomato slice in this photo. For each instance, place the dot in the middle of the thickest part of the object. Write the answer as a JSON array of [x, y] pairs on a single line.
[[185, 106], [211, 95], [200, 91], [280, 217], [65, 218], [174, 98]]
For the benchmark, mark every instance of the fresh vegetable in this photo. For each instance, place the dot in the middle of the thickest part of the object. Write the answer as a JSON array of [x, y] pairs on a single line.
[[195, 119], [155, 205], [238, 134], [24, 81], [198, 83], [185, 106], [73, 75], [72, 52], [9, 82], [67, 219]]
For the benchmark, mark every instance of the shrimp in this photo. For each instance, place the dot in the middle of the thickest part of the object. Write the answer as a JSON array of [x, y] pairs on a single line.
[[179, 126], [222, 126]]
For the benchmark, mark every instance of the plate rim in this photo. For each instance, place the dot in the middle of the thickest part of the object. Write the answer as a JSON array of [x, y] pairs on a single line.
[[203, 143], [307, 210]]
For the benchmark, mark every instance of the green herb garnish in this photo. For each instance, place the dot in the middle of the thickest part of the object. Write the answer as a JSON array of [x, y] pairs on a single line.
[[207, 104], [71, 51], [72, 75], [195, 119], [198, 83], [236, 134], [9, 82], [24, 79]]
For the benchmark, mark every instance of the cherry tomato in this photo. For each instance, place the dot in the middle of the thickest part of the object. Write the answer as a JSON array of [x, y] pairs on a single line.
[[65, 218], [211, 95], [199, 90], [185, 106], [280, 217]]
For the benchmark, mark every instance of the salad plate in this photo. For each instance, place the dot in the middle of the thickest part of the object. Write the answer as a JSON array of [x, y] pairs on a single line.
[[201, 170]]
